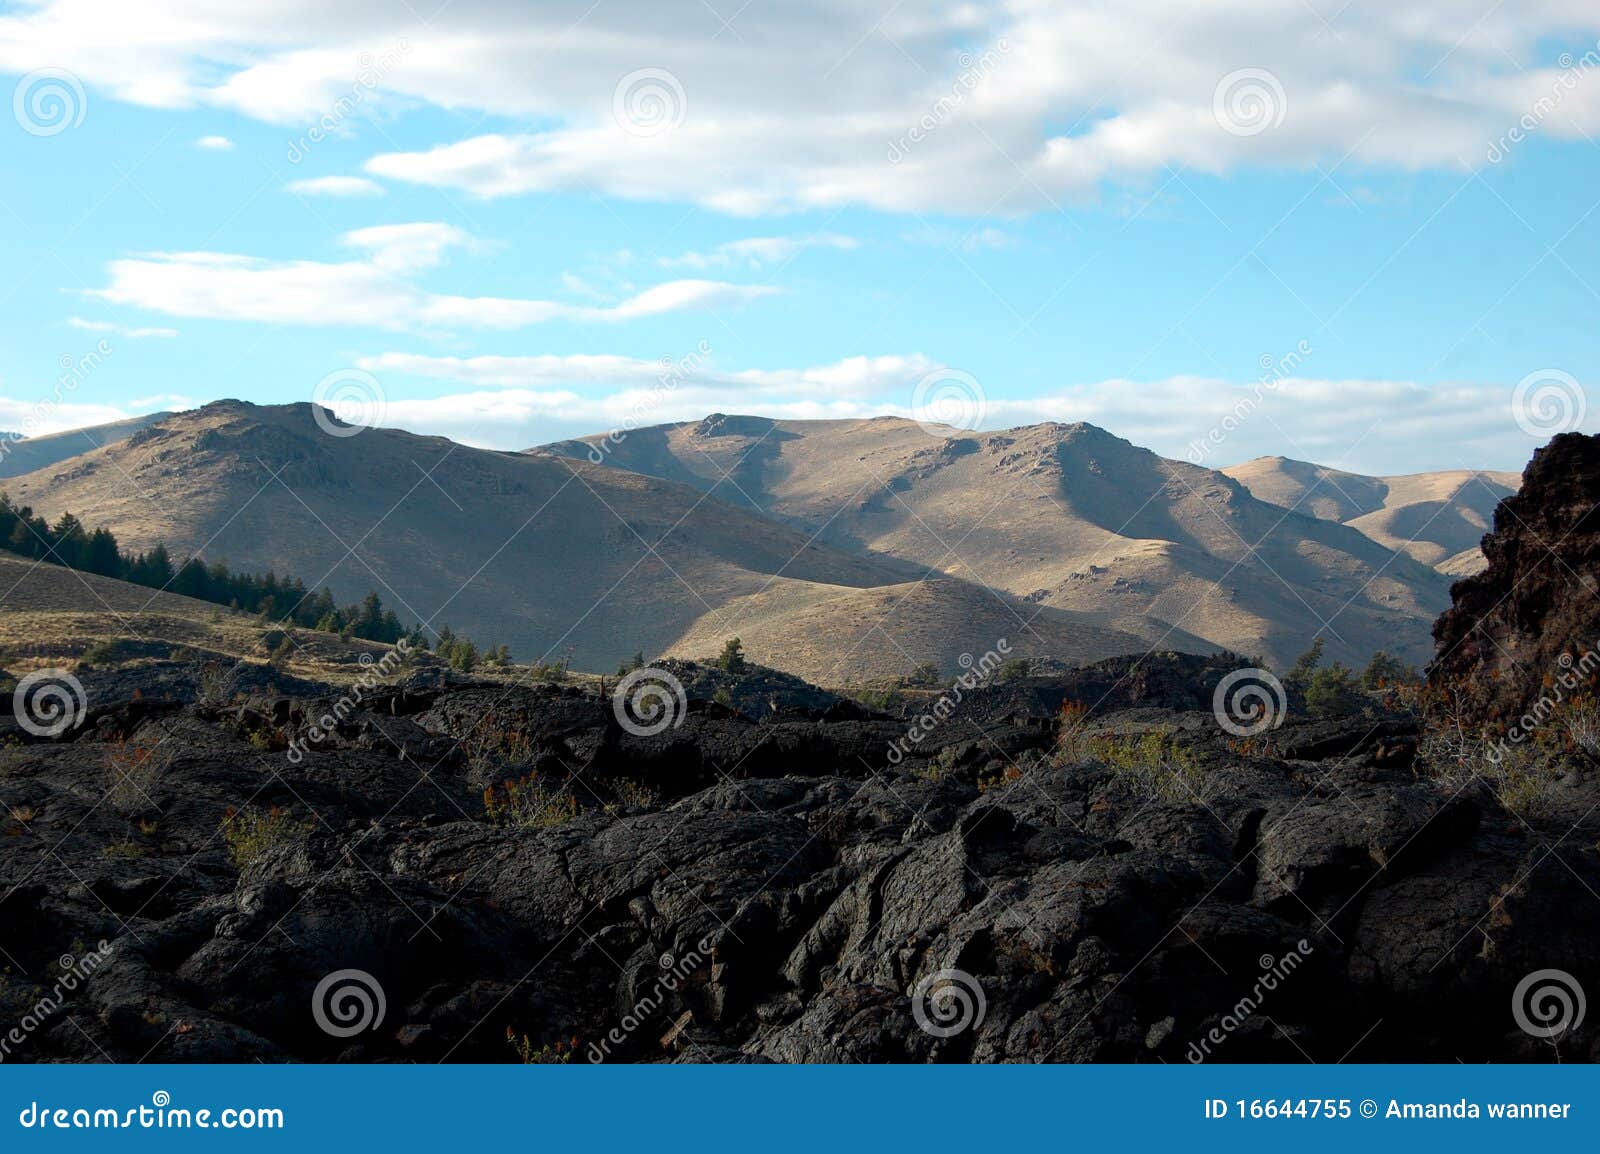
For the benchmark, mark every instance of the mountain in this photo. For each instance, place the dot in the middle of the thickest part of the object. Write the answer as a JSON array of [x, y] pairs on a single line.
[[24, 456], [1438, 518], [548, 555], [1064, 516]]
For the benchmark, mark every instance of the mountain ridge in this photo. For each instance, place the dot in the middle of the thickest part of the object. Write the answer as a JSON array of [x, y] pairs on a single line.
[[1066, 515], [553, 557], [1437, 517]]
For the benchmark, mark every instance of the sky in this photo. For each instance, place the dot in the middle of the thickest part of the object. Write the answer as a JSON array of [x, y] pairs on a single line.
[[1362, 234]]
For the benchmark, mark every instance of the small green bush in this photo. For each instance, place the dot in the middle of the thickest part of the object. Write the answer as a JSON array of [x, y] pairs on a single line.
[[1333, 692], [528, 804], [249, 833], [731, 659], [102, 653], [1152, 763]]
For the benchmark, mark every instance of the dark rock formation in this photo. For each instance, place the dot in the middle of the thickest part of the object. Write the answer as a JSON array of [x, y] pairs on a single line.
[[738, 888], [1535, 611]]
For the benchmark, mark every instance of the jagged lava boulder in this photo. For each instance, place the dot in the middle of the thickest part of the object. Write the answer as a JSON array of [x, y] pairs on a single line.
[[1535, 611]]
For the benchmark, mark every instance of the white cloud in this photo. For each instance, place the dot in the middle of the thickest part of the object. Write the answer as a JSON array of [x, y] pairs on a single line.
[[339, 186], [757, 251], [41, 417], [136, 334], [1372, 426], [171, 402], [853, 376], [377, 289], [804, 103], [1364, 425], [407, 247], [214, 144]]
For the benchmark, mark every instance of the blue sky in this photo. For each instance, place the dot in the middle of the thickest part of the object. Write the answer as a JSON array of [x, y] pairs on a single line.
[[528, 223]]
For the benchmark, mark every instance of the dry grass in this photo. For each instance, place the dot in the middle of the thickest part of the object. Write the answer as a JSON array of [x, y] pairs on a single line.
[[133, 770]]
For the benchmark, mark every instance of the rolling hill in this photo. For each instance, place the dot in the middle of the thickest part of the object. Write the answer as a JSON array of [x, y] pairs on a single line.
[[549, 555], [54, 615], [1062, 516], [1437, 518]]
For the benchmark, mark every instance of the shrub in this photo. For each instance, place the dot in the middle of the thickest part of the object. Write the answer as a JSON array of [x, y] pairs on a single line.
[[1333, 692], [250, 833], [461, 654], [551, 671], [940, 766], [1457, 750], [127, 848], [132, 771], [528, 804], [1581, 725], [1300, 673], [1014, 670], [1384, 671], [492, 746], [545, 1055], [1524, 779], [282, 652], [102, 653], [883, 700], [925, 676], [1152, 763], [1071, 735], [635, 794], [1007, 776], [215, 684], [731, 659]]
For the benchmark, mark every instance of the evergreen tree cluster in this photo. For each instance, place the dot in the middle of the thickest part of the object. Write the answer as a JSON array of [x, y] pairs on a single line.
[[283, 599]]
